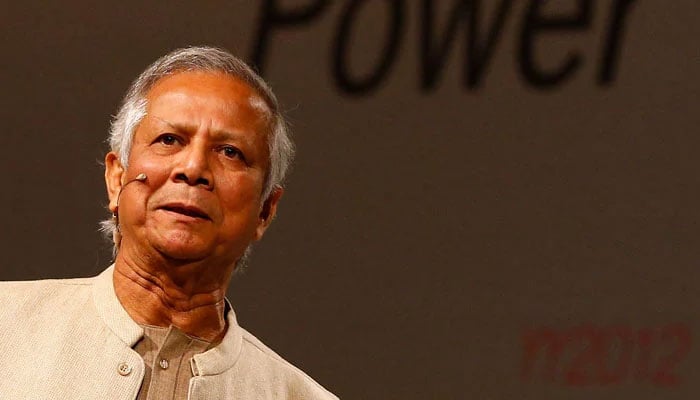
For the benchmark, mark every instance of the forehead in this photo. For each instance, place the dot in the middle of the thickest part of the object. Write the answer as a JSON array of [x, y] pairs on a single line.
[[208, 97]]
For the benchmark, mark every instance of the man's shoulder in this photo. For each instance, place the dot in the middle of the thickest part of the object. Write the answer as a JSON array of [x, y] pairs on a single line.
[[20, 294], [48, 282], [268, 362], [45, 284]]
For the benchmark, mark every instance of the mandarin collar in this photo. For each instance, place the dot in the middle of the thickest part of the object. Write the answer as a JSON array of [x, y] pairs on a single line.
[[224, 355], [214, 361], [111, 310]]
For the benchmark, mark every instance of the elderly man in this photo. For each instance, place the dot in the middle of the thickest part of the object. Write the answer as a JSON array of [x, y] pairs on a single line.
[[199, 150]]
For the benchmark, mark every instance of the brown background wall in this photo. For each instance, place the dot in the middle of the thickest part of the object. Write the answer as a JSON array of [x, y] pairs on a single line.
[[512, 238]]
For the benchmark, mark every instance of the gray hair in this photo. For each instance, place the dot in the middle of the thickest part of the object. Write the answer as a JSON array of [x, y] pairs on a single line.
[[200, 59]]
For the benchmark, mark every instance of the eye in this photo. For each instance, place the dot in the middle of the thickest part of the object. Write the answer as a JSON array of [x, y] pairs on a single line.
[[232, 152], [167, 139]]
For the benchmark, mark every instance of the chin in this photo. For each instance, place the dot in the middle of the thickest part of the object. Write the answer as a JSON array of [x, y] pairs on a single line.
[[183, 248], [183, 253]]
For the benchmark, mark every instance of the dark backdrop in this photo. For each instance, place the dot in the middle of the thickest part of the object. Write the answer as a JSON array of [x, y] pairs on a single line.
[[492, 199]]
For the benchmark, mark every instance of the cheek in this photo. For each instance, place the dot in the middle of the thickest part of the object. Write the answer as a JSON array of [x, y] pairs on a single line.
[[157, 171], [241, 194]]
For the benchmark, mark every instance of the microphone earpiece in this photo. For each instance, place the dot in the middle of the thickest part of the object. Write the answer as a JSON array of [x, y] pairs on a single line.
[[139, 178]]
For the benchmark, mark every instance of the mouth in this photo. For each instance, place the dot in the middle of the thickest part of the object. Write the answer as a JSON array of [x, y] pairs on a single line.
[[189, 211]]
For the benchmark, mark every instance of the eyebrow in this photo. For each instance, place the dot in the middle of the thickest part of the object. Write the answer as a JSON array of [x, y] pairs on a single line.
[[218, 134]]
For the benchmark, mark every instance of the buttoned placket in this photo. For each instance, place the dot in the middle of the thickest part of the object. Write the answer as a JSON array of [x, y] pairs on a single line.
[[168, 366]]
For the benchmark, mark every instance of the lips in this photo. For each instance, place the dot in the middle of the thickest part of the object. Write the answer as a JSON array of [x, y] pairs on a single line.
[[187, 210]]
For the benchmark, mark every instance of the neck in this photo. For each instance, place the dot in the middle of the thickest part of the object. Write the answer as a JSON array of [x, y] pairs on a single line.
[[184, 295]]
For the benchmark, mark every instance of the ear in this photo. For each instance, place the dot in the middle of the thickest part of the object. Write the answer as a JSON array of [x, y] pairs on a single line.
[[268, 211], [113, 178]]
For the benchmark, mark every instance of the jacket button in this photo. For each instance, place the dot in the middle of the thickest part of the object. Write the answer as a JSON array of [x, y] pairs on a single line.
[[124, 369]]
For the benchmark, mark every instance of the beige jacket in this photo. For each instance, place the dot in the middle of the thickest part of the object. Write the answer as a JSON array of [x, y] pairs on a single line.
[[71, 339]]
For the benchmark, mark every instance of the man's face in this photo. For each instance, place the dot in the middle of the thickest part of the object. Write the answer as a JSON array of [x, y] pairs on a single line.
[[203, 147]]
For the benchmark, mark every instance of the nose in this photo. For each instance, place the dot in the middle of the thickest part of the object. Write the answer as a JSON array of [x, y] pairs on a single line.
[[193, 168]]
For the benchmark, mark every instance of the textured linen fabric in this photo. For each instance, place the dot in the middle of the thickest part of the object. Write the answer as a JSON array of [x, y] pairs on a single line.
[[72, 339]]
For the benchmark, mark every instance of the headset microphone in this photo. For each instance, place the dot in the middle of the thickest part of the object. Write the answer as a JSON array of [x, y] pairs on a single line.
[[139, 178]]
